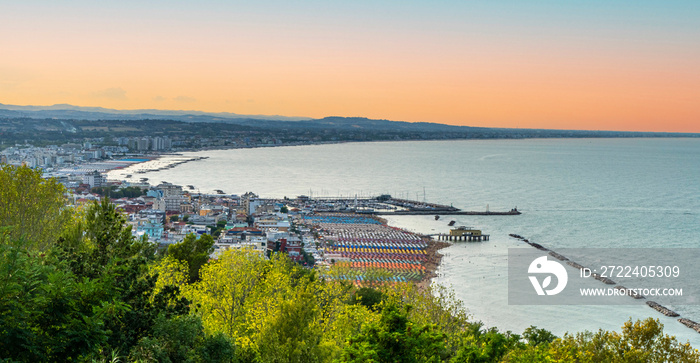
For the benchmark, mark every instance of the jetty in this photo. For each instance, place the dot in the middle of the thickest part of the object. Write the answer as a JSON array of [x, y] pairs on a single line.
[[463, 233], [386, 205], [457, 212], [624, 290]]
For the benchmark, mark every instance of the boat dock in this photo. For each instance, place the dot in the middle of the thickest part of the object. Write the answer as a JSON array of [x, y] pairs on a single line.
[[385, 205], [512, 212]]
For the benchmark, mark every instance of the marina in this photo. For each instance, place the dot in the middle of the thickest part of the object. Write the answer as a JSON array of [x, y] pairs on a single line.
[[387, 205]]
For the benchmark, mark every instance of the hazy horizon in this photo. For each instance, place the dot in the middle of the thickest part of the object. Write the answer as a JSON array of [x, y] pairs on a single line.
[[234, 115]]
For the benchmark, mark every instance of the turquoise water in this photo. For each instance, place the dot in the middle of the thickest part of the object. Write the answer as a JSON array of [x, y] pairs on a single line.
[[572, 192]]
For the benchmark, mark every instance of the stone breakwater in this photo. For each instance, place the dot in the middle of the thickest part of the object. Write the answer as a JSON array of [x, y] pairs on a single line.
[[652, 304], [662, 309], [690, 324]]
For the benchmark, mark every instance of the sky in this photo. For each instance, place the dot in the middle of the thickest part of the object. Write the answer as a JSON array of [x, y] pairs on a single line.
[[594, 65]]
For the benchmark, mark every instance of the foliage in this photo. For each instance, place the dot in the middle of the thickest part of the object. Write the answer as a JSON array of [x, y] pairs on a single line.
[[396, 339], [218, 228], [93, 290], [30, 287], [98, 239], [182, 339], [369, 297], [489, 345], [32, 207], [535, 336], [193, 251], [258, 301], [435, 305], [639, 341], [293, 333], [169, 272]]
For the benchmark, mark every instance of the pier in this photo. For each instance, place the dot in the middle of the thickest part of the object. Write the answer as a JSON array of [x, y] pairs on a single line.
[[456, 212], [463, 233], [469, 238]]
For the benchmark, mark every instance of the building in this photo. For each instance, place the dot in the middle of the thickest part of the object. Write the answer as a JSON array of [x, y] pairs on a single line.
[[172, 197], [142, 144], [154, 231], [94, 178]]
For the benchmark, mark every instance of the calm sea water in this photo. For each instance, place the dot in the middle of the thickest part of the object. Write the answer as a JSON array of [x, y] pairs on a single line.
[[572, 192]]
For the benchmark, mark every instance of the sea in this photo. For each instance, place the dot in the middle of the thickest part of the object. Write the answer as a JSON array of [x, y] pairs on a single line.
[[573, 193]]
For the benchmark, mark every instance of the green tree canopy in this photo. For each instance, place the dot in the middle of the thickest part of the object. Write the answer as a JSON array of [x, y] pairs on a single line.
[[33, 208], [194, 251]]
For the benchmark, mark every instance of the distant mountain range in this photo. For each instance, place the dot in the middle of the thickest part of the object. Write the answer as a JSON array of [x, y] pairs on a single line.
[[70, 112], [327, 124], [66, 111]]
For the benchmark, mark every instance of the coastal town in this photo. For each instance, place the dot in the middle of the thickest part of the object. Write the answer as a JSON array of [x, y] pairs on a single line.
[[316, 233]]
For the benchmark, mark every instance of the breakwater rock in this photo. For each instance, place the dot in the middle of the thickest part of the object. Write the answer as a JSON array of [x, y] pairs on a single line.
[[630, 293], [662, 309], [690, 324], [575, 265], [603, 279], [558, 256], [652, 304], [538, 246]]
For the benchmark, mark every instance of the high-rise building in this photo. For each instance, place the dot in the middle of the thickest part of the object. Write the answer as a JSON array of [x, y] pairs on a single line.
[[142, 144], [167, 143], [94, 179], [157, 144]]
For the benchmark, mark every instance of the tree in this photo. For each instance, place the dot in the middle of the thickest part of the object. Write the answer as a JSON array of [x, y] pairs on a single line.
[[97, 237], [31, 207], [293, 333], [485, 346], [224, 289], [536, 336], [368, 297], [46, 313], [194, 251], [396, 339], [182, 339], [98, 247], [639, 341]]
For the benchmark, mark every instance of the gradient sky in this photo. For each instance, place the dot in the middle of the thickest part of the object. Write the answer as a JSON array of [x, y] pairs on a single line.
[[599, 65]]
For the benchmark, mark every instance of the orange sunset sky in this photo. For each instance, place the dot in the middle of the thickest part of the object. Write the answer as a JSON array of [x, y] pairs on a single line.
[[596, 65]]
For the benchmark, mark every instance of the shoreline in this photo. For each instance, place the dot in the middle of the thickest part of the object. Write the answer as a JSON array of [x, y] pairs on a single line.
[[433, 263]]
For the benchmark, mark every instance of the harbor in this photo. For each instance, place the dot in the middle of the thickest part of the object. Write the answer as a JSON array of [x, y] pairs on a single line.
[[387, 205]]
